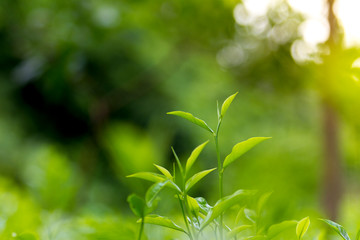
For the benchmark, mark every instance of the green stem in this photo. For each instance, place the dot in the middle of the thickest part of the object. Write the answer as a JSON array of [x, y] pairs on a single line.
[[185, 220], [220, 172], [141, 228]]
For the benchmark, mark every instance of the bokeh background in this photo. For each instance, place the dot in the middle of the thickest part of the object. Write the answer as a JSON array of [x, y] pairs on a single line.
[[85, 87]]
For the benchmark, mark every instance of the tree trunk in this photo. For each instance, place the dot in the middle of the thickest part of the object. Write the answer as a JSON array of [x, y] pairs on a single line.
[[332, 159]]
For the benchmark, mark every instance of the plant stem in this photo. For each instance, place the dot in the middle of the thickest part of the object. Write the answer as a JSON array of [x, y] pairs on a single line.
[[141, 228], [220, 171], [185, 220]]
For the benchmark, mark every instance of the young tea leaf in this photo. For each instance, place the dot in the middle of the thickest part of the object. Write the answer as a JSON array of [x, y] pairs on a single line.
[[338, 228], [150, 176], [241, 148], [154, 177], [302, 227], [137, 205], [194, 155], [276, 229], [226, 104], [162, 221], [164, 171], [197, 177], [153, 191], [223, 204], [237, 230], [191, 118], [193, 205]]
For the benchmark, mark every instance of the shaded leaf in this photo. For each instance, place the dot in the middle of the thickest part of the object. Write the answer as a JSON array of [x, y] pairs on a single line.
[[153, 191], [162, 221], [191, 118], [241, 148], [164, 171], [137, 205], [338, 228], [196, 177], [276, 229], [226, 104], [223, 204], [237, 230], [302, 227], [193, 156]]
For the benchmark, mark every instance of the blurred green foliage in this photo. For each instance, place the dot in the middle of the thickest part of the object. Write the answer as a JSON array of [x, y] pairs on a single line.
[[85, 86]]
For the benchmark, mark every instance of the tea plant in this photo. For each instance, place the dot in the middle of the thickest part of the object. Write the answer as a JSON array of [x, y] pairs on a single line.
[[197, 214]]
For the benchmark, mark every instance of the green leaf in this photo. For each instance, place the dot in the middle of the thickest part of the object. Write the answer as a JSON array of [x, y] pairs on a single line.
[[196, 177], [137, 205], [164, 171], [204, 206], [358, 235], [223, 204], [153, 191], [276, 229], [191, 118], [193, 156], [250, 215], [150, 176], [226, 104], [162, 221], [241, 148], [302, 227], [193, 205], [338, 228], [26, 236], [237, 230]]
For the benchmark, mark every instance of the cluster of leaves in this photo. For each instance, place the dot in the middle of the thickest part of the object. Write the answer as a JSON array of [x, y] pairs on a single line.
[[202, 220]]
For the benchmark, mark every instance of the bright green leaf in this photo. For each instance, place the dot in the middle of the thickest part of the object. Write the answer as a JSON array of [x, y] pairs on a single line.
[[358, 235], [193, 205], [162, 221], [278, 228], [197, 177], [241, 148], [237, 230], [153, 191], [154, 177], [338, 228], [150, 176], [223, 204], [302, 227], [137, 205], [194, 155], [164, 171], [226, 104], [191, 118]]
